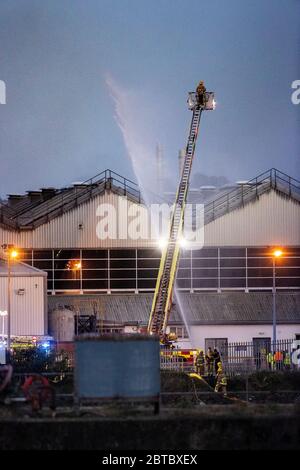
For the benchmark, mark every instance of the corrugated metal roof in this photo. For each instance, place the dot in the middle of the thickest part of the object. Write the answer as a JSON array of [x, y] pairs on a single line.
[[29, 214], [202, 308], [20, 269]]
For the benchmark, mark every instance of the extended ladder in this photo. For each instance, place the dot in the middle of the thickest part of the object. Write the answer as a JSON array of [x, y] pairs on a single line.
[[162, 300]]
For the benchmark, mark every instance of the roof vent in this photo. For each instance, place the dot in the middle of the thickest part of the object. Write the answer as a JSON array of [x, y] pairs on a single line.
[[34, 196], [80, 184], [47, 193], [14, 198], [246, 183]]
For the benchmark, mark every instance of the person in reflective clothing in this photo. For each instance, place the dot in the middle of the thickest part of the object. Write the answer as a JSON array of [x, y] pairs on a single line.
[[287, 360], [221, 383], [201, 90], [278, 359], [217, 359], [270, 360], [200, 363], [209, 358]]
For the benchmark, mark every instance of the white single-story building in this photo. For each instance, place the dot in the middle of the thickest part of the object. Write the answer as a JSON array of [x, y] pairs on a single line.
[[211, 318], [28, 297]]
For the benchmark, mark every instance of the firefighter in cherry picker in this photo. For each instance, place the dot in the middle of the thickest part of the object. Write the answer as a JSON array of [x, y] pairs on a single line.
[[201, 93], [221, 383]]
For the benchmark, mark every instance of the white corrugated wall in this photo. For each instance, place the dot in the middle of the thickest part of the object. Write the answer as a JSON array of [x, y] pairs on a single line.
[[64, 231], [233, 333], [270, 220], [28, 311]]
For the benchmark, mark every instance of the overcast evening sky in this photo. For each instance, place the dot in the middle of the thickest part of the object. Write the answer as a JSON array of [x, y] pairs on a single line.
[[59, 57]]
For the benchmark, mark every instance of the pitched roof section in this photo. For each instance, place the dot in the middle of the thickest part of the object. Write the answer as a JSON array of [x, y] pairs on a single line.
[[227, 308], [20, 270], [38, 207], [250, 191]]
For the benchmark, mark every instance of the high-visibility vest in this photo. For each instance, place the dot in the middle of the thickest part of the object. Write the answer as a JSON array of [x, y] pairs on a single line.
[[200, 361], [223, 380], [278, 356], [287, 360], [270, 358]]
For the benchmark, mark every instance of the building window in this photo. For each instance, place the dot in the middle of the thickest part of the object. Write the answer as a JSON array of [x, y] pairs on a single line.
[[179, 331], [111, 330], [208, 268]]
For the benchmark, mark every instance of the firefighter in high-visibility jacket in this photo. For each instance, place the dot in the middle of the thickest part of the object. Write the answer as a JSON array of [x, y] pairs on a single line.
[[270, 360], [221, 383], [287, 360], [200, 363], [201, 93]]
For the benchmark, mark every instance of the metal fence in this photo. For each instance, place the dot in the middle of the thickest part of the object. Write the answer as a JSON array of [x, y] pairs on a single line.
[[238, 357], [177, 359], [260, 354]]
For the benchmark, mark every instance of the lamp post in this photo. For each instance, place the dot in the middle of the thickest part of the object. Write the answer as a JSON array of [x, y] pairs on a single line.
[[276, 254], [11, 254]]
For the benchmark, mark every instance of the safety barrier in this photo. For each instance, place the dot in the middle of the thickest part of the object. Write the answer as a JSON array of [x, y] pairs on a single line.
[[260, 354]]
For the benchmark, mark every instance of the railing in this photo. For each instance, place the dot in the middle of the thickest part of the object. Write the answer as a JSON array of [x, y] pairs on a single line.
[[41, 211], [239, 358], [175, 360], [66, 199], [260, 354], [250, 190]]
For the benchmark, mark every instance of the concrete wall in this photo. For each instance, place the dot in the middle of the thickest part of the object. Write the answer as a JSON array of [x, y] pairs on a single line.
[[233, 333], [213, 429], [28, 311], [236, 333]]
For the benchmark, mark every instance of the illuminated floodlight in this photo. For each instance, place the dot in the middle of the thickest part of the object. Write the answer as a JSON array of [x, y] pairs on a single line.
[[183, 242], [277, 253], [162, 243]]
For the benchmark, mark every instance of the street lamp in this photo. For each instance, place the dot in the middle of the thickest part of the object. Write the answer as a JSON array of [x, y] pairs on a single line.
[[11, 255], [277, 253]]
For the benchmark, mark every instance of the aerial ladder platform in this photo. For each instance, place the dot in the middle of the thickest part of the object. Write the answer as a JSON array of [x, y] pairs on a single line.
[[198, 101]]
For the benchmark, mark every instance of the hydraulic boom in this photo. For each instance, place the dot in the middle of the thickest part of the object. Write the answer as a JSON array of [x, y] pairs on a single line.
[[198, 101]]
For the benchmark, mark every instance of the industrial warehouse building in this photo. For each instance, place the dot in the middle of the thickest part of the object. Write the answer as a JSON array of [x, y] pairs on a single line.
[[225, 286]]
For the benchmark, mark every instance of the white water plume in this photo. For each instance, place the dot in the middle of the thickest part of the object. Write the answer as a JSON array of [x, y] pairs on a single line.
[[132, 118]]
